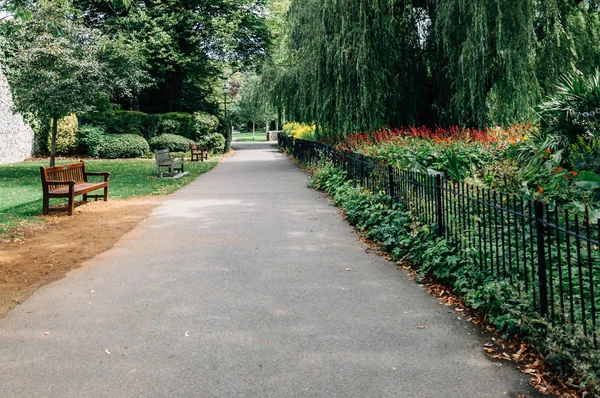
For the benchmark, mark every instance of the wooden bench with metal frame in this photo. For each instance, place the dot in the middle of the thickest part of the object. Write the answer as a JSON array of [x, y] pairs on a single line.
[[198, 153], [164, 159], [69, 181]]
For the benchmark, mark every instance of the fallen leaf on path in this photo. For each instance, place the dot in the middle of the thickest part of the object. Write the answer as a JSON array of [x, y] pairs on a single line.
[[348, 269], [422, 327], [107, 352], [46, 333], [187, 334]]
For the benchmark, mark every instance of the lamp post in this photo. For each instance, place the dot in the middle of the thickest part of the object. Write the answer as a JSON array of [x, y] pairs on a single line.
[[227, 136]]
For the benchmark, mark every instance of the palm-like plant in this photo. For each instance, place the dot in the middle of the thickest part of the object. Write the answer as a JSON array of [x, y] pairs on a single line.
[[573, 112]]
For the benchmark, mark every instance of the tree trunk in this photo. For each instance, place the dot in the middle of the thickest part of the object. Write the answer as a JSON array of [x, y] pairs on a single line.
[[53, 144], [253, 130]]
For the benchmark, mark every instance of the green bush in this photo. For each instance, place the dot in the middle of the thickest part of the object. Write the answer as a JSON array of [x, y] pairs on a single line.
[[172, 142], [205, 124], [179, 123], [115, 146], [194, 126], [215, 143], [573, 111], [90, 138], [571, 354], [66, 136], [125, 122]]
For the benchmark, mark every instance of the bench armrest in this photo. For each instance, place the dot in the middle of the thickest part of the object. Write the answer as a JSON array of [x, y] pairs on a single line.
[[94, 173]]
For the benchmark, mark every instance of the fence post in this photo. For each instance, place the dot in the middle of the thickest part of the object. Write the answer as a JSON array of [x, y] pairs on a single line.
[[541, 252], [439, 204], [361, 160], [391, 180]]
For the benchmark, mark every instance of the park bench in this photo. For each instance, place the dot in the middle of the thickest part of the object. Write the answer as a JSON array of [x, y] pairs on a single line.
[[198, 153], [164, 159], [69, 181]]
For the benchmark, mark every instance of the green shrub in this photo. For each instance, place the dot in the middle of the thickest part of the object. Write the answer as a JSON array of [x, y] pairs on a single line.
[[194, 127], [90, 138], [125, 122], [115, 146], [573, 111], [179, 123], [172, 142], [66, 136], [215, 143], [205, 124], [571, 354]]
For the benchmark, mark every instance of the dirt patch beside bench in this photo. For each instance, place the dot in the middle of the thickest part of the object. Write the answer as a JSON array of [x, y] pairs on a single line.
[[45, 253]]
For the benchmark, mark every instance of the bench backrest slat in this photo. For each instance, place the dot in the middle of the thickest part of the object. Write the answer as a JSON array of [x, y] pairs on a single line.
[[70, 172], [162, 156]]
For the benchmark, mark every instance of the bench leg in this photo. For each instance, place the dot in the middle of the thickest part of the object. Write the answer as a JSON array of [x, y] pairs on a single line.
[[85, 197], [71, 204], [106, 194], [46, 205]]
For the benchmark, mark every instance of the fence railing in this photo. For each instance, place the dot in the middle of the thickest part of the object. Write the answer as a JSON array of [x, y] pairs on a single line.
[[550, 255]]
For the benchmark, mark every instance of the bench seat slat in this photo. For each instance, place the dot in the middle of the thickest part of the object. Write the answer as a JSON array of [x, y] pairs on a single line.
[[80, 188]]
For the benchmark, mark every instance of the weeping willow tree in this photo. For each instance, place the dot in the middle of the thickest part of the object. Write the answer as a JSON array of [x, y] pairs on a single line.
[[361, 64], [347, 64], [488, 47]]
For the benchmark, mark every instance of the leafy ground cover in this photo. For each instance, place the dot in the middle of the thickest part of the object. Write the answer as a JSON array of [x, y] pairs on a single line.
[[21, 192], [247, 137], [399, 232]]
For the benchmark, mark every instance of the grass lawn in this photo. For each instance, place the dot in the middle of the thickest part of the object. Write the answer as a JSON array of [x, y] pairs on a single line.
[[247, 137], [21, 187]]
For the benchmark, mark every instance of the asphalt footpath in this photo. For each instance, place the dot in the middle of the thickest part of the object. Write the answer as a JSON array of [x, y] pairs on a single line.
[[246, 283]]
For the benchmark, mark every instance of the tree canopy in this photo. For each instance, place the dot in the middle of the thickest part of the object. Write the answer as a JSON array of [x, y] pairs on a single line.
[[185, 45], [363, 64]]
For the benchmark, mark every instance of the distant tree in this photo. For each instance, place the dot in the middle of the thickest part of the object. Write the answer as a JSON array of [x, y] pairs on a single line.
[[252, 104]]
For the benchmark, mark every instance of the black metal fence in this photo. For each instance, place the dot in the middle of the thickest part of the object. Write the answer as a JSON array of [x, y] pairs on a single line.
[[551, 256]]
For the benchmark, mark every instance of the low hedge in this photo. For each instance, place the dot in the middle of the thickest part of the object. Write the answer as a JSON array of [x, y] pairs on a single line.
[[172, 142], [215, 143], [115, 146], [179, 123], [89, 139], [125, 122], [205, 124], [193, 126]]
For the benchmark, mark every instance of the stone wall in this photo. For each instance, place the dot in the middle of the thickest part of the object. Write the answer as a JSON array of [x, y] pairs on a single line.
[[272, 135], [16, 137]]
